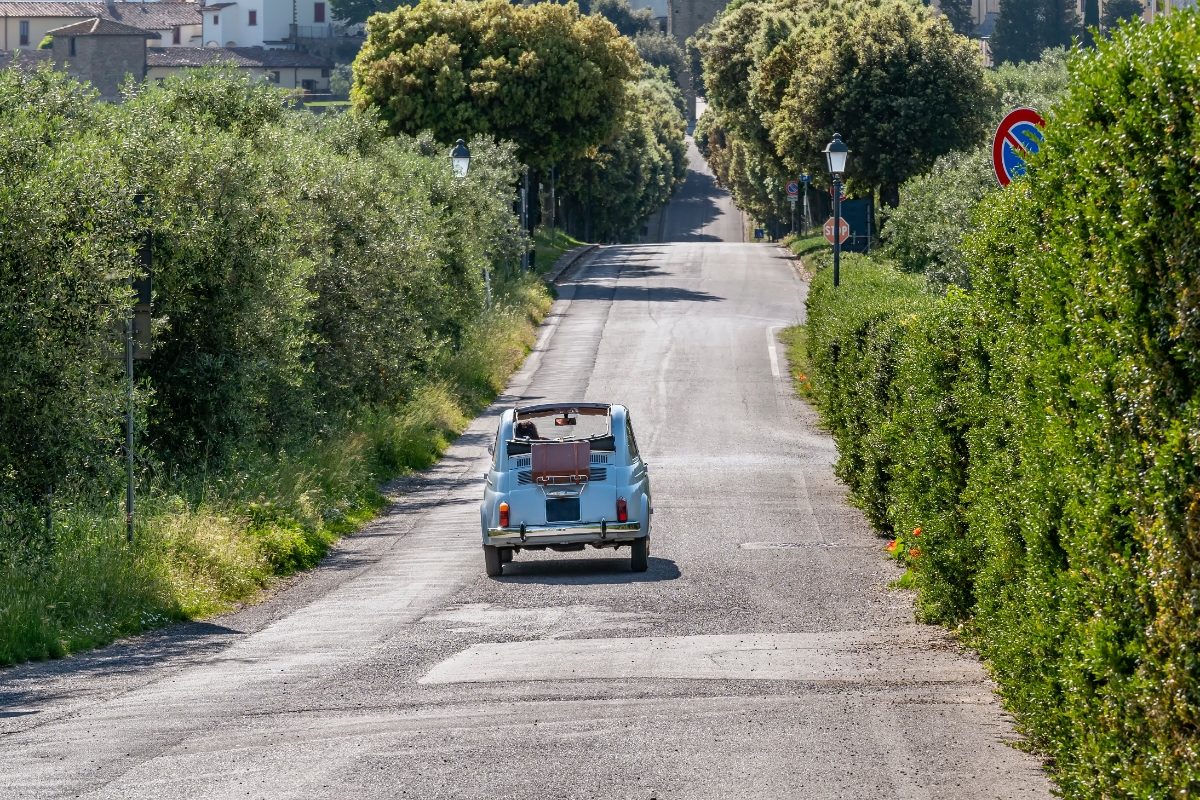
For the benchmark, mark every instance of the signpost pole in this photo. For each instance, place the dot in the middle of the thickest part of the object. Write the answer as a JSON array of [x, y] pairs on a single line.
[[837, 229]]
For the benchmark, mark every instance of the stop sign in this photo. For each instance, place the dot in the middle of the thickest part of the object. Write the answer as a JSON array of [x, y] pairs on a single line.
[[844, 230]]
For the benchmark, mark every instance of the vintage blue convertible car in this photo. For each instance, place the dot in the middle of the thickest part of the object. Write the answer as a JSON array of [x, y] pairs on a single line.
[[564, 476]]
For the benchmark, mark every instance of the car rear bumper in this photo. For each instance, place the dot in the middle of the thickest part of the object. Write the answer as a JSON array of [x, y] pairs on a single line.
[[565, 533]]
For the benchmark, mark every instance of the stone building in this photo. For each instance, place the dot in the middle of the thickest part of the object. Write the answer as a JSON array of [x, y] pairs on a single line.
[[102, 52]]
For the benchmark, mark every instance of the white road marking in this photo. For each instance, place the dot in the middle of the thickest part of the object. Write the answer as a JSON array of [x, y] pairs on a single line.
[[771, 350], [908, 654]]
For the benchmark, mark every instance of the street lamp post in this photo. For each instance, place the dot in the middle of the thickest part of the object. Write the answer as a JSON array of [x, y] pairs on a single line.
[[460, 162], [836, 155], [460, 159]]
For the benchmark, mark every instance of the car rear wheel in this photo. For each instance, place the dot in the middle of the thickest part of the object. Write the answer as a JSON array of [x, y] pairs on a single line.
[[492, 564], [639, 554]]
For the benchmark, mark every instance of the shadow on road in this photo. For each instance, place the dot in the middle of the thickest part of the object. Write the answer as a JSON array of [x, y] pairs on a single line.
[[693, 208], [587, 571], [647, 294], [193, 640]]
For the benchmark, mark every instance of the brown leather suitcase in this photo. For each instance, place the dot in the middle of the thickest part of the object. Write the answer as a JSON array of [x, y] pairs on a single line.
[[561, 462]]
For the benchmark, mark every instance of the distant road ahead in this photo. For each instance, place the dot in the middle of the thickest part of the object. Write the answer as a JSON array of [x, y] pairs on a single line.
[[700, 211]]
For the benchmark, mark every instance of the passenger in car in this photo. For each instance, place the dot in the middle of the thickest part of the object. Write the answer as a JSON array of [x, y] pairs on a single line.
[[526, 430]]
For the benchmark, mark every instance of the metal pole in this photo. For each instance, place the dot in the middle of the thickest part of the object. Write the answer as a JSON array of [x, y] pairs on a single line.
[[837, 229], [129, 428], [525, 216], [807, 212]]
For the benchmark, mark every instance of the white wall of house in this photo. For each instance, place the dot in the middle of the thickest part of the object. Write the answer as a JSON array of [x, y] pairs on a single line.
[[189, 36], [273, 22], [36, 28], [287, 77]]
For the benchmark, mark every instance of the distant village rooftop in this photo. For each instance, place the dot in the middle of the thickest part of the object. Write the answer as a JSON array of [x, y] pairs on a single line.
[[98, 26], [237, 56]]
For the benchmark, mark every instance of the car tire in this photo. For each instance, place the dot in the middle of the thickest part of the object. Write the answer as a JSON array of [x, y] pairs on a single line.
[[506, 554], [639, 554], [492, 564]]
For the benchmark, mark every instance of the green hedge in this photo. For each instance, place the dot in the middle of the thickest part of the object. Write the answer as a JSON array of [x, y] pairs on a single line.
[[304, 267], [1034, 445], [320, 326]]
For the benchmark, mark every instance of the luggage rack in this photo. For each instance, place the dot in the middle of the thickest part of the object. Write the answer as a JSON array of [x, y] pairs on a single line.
[[562, 465]]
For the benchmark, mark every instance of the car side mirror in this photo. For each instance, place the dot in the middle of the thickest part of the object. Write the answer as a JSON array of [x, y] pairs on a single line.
[[491, 448]]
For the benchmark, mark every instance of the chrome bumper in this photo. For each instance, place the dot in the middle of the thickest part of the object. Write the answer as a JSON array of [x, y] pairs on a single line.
[[565, 533]]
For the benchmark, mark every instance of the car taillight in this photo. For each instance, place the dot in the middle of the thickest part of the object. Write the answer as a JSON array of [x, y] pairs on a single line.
[[504, 515], [622, 510]]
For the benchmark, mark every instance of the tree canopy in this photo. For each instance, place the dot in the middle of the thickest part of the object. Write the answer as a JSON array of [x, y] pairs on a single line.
[[1027, 27], [543, 76], [782, 76]]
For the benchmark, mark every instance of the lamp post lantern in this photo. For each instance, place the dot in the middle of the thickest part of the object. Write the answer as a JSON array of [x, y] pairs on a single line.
[[460, 159], [460, 162], [836, 156]]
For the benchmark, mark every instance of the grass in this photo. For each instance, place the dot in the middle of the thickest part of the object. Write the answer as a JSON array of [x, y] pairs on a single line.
[[549, 245], [203, 547], [805, 245], [796, 343]]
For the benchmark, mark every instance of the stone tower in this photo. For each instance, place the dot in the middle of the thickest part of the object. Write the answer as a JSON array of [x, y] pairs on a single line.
[[684, 18]]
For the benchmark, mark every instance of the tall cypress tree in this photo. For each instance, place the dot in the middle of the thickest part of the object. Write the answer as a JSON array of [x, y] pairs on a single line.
[[1062, 23], [1015, 37], [959, 14], [1027, 27], [1117, 10]]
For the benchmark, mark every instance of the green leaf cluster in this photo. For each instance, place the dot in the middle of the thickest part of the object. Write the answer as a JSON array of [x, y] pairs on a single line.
[[543, 76], [619, 185], [925, 232], [1034, 444], [304, 268], [783, 76]]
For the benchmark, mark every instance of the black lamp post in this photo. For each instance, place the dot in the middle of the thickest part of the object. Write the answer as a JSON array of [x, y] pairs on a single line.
[[460, 159], [460, 162], [836, 155]]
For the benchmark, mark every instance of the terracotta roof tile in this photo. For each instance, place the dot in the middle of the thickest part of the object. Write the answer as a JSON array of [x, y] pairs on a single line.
[[102, 27], [238, 56], [154, 16], [25, 59]]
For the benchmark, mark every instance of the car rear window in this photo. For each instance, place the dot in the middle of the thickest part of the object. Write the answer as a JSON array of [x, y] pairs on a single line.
[[561, 425]]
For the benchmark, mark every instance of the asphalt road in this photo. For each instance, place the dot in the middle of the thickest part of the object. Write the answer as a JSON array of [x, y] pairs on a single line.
[[763, 655]]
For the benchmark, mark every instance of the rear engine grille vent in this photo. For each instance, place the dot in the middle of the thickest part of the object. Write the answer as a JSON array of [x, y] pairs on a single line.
[[599, 459], [525, 476], [522, 461]]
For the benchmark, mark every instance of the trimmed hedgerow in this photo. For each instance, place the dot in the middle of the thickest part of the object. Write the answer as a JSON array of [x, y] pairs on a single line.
[[1035, 443]]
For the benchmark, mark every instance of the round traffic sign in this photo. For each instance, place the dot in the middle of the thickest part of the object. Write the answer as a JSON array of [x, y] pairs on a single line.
[[1020, 132], [793, 189], [844, 228]]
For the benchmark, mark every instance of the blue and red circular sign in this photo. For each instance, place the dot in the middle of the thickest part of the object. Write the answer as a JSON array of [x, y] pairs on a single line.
[[793, 188], [1019, 134]]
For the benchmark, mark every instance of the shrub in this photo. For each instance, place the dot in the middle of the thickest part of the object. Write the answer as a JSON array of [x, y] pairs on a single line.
[[1042, 431]]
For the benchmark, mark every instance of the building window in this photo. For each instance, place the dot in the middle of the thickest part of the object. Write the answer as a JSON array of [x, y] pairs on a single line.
[[24, 33], [71, 46], [176, 36], [325, 72], [308, 85], [318, 12], [273, 76], [216, 19], [253, 17]]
